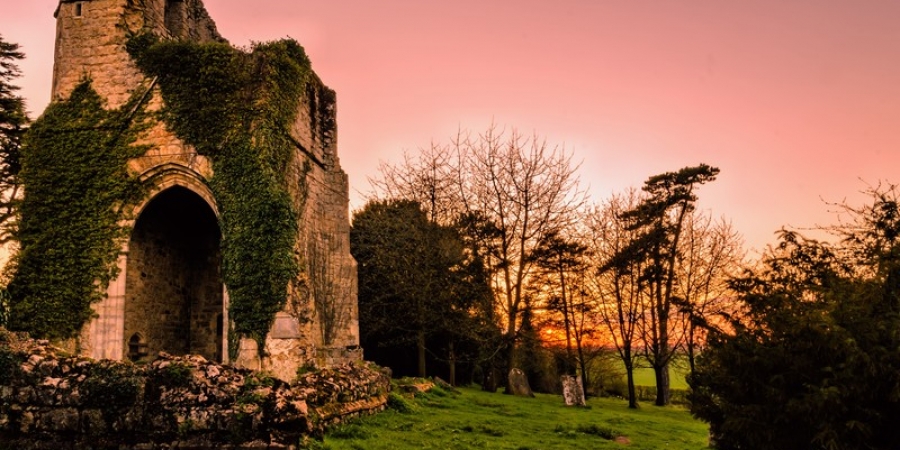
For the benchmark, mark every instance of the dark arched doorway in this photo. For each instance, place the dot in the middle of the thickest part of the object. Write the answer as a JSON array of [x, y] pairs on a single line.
[[173, 291]]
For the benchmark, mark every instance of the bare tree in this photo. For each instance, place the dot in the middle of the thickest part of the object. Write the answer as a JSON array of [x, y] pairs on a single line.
[[428, 177], [526, 189], [710, 253], [616, 280], [514, 188]]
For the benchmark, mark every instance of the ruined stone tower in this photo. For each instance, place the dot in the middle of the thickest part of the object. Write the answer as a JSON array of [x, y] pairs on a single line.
[[169, 294]]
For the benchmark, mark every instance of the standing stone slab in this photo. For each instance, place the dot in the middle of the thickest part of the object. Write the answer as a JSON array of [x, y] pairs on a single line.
[[573, 391], [518, 383]]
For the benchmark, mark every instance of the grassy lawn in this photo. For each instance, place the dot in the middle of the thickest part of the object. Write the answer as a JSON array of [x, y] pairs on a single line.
[[644, 377], [475, 419]]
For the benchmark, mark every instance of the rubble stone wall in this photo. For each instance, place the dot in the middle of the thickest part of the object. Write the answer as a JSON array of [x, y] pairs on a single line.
[[52, 401]]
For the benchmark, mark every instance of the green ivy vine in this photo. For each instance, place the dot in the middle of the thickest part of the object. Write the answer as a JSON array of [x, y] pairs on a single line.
[[74, 163], [235, 107]]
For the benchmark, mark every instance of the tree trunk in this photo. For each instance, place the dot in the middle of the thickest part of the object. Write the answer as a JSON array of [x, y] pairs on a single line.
[[690, 348], [632, 395], [511, 358], [452, 365], [420, 343], [662, 384], [570, 367], [489, 384], [581, 363]]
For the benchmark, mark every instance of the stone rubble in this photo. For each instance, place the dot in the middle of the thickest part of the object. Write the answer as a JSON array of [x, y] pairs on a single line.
[[50, 400]]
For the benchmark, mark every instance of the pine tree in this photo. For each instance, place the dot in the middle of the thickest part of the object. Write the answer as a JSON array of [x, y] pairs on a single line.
[[13, 123]]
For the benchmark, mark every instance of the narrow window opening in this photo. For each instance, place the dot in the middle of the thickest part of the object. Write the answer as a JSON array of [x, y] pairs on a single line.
[[137, 348], [78, 9]]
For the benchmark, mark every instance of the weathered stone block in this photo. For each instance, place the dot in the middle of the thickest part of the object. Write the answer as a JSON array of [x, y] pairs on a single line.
[[573, 391], [518, 383]]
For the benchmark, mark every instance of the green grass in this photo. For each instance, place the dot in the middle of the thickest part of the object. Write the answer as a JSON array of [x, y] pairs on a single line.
[[644, 377], [476, 419]]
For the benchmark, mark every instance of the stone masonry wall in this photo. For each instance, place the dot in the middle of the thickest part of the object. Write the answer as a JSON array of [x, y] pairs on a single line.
[[52, 401], [319, 325], [92, 44]]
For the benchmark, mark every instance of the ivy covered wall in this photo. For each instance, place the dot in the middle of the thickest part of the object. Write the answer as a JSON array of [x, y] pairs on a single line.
[[250, 131], [235, 108], [70, 229]]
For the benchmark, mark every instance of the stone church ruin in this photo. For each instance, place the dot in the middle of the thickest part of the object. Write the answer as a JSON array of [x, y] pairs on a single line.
[[169, 293]]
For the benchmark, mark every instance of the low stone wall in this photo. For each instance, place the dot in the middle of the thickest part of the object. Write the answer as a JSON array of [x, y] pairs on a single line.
[[49, 400]]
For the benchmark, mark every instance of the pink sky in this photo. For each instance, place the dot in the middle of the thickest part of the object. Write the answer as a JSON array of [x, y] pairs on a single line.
[[796, 101]]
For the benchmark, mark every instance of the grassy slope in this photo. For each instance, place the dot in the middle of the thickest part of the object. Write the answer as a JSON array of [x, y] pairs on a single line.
[[475, 419]]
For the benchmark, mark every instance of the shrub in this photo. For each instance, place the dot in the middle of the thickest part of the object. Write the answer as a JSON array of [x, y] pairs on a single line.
[[812, 362]]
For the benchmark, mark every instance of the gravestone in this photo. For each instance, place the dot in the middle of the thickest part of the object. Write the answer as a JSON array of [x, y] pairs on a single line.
[[573, 391], [518, 384]]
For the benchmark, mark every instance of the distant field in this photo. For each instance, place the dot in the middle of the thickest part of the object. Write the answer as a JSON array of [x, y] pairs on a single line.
[[476, 419], [645, 377]]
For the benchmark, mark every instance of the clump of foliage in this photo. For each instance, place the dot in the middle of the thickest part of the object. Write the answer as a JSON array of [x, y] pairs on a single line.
[[597, 430], [4, 307], [349, 431], [74, 162], [812, 362], [418, 287], [235, 107], [9, 364], [399, 403]]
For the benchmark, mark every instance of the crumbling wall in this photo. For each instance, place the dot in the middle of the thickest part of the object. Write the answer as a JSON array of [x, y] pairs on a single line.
[[319, 324], [52, 401], [91, 36]]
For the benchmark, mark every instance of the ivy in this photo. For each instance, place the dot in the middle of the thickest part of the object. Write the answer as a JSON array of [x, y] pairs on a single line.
[[236, 108], [74, 163]]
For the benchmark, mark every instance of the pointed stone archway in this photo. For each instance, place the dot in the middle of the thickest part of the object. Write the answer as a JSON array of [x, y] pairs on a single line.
[[168, 294], [173, 286]]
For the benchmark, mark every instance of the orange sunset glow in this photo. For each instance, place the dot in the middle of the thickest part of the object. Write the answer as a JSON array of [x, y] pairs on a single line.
[[795, 101]]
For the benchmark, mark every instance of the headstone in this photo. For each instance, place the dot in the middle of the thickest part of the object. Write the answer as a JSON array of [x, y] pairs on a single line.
[[518, 383], [573, 391], [438, 381], [489, 384]]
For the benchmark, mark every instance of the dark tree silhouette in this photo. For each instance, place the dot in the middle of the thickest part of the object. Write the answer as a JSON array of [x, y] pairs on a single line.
[[660, 219], [13, 123]]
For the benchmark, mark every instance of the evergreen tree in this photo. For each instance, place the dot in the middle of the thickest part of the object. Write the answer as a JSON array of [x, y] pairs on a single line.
[[814, 360], [412, 282], [660, 220], [13, 123]]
